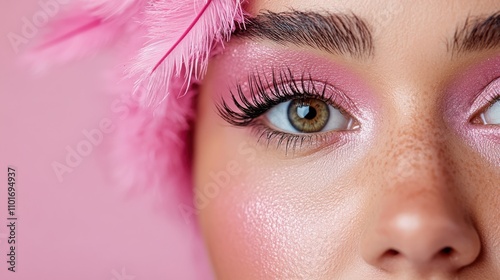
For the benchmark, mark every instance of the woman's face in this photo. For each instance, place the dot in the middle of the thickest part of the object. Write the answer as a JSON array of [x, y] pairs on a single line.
[[353, 140]]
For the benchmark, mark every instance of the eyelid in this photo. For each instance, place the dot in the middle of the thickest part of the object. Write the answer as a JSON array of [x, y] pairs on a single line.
[[261, 93], [485, 99], [329, 94]]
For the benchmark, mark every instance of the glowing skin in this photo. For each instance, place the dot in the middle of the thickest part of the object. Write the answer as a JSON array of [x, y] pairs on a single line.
[[414, 193]]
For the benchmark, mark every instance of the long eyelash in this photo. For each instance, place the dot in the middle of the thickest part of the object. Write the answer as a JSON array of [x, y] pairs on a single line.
[[265, 94], [492, 97]]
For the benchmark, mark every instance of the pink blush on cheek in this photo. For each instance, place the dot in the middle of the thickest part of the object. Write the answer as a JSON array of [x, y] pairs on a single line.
[[271, 236]]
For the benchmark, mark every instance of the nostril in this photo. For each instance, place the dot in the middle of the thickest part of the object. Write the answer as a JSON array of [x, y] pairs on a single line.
[[391, 253], [446, 251]]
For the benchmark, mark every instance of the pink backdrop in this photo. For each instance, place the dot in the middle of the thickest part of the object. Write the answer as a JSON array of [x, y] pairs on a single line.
[[80, 227]]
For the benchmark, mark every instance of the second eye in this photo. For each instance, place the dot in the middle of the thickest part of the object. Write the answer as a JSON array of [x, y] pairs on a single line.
[[308, 115]]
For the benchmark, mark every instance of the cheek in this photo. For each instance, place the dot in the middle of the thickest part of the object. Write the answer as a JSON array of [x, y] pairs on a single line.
[[266, 218], [275, 231], [477, 177]]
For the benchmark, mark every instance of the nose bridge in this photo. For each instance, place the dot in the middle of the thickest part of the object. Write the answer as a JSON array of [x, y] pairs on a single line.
[[417, 152], [417, 191], [416, 219]]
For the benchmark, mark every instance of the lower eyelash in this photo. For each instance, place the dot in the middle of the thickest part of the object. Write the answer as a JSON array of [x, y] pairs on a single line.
[[290, 140], [293, 142]]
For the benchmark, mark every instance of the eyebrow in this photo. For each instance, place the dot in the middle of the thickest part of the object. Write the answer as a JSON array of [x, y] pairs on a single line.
[[344, 34], [477, 34]]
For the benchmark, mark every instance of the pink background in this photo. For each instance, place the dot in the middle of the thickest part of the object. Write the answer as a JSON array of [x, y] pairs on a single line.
[[82, 227]]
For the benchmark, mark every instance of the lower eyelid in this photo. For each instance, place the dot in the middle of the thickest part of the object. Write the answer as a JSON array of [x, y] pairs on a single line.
[[300, 144]]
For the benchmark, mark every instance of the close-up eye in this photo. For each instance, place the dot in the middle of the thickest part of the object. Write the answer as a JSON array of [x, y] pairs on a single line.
[[289, 110], [492, 114], [489, 113], [308, 115]]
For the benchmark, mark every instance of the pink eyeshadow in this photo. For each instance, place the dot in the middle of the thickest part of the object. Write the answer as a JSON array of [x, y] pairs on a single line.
[[465, 97], [242, 59]]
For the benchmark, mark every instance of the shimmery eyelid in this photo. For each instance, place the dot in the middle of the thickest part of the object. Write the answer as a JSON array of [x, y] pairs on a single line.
[[486, 97], [244, 57]]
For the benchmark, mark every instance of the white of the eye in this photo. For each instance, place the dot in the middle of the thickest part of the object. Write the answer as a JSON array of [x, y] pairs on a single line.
[[492, 114], [278, 117]]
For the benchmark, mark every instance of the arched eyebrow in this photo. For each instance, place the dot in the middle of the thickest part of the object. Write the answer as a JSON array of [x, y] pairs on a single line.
[[334, 33], [477, 34]]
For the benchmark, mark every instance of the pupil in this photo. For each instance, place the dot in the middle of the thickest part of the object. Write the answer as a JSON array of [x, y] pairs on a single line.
[[306, 112]]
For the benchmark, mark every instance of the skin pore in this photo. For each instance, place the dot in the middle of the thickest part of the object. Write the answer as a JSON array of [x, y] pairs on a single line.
[[406, 187]]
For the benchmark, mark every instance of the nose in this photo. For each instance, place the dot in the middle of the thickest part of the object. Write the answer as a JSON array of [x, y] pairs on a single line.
[[419, 229]]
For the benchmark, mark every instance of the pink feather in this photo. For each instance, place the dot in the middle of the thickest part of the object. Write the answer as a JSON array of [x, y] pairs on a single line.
[[85, 28], [114, 9], [171, 41], [177, 37], [181, 35]]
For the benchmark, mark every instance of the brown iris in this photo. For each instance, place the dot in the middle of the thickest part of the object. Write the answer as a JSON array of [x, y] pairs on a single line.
[[308, 115]]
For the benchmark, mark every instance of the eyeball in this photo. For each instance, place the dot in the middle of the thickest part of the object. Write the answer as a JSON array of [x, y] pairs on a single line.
[[308, 115], [492, 114]]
